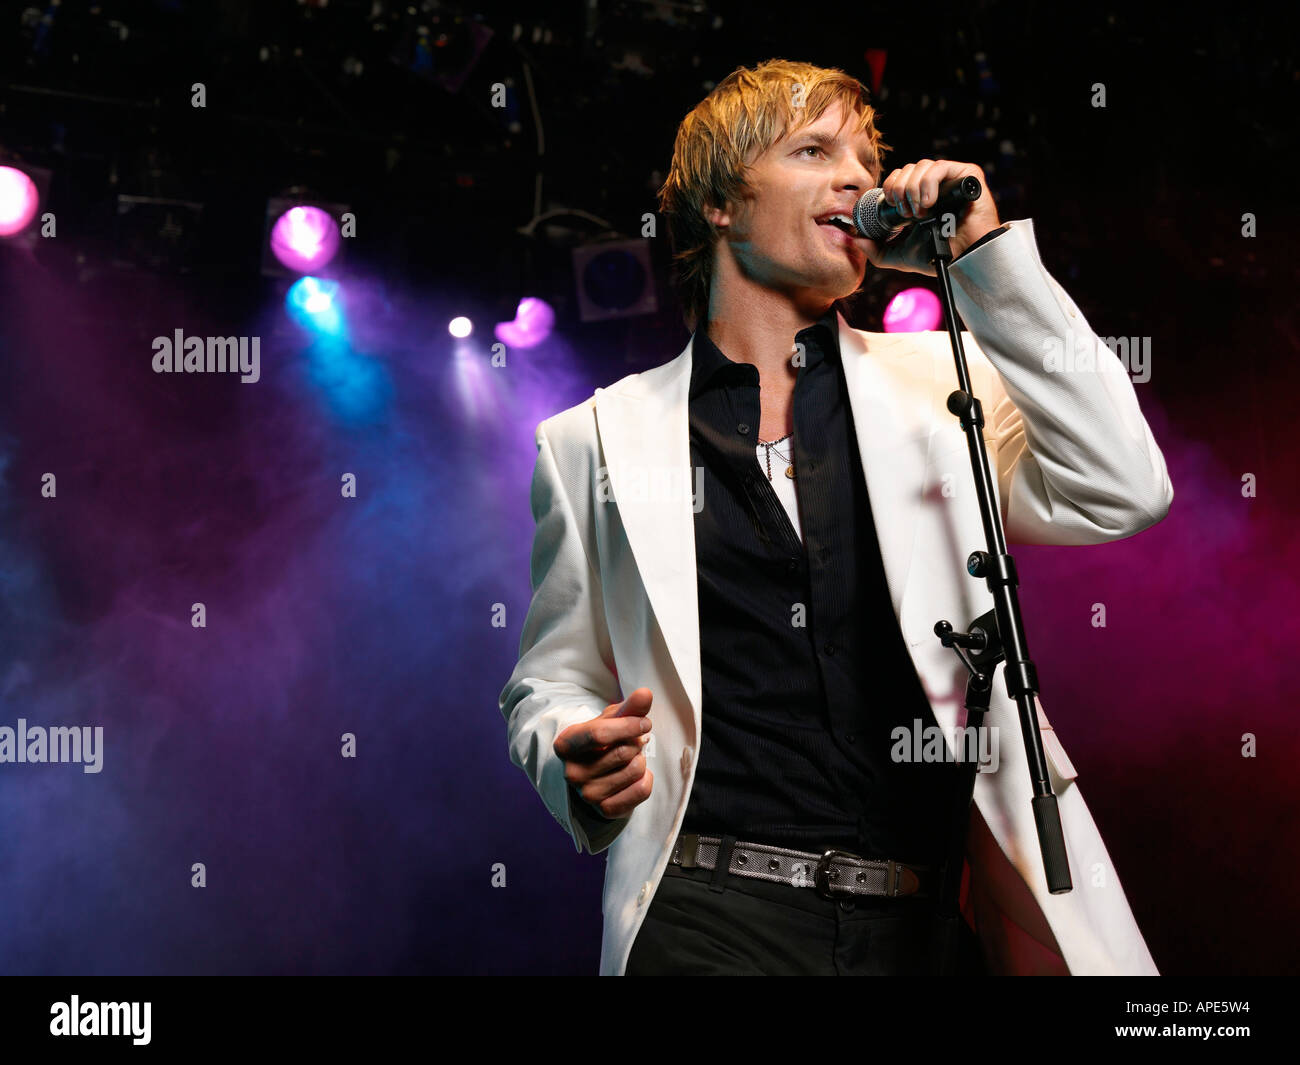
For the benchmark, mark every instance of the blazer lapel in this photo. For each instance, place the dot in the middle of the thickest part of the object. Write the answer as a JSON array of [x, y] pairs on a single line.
[[644, 429], [891, 394]]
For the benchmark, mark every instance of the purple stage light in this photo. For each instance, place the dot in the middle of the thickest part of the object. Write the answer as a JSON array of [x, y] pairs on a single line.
[[305, 238], [914, 310], [18, 201], [532, 324]]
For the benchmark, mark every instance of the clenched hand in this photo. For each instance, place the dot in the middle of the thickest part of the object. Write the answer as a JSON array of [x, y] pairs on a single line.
[[603, 760]]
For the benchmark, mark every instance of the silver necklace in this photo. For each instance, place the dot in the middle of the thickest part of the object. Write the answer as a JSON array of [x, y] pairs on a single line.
[[788, 459]]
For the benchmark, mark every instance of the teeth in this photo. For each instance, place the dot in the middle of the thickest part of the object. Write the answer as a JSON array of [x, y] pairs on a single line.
[[843, 220]]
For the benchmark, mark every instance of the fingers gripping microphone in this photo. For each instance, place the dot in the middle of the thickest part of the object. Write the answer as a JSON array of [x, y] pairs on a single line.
[[876, 220]]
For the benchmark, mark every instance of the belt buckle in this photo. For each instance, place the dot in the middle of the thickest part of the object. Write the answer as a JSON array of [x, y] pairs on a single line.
[[822, 874]]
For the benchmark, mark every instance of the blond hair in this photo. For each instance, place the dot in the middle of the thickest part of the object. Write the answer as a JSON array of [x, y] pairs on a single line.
[[747, 112]]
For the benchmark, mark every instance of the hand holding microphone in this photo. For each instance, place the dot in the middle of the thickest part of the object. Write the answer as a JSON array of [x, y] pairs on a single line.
[[916, 192]]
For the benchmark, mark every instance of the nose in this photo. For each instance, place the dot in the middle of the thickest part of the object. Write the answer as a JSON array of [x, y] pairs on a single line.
[[855, 177]]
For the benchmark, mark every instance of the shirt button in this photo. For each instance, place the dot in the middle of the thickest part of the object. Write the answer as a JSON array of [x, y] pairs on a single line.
[[687, 754], [793, 565], [640, 895], [829, 648], [743, 428]]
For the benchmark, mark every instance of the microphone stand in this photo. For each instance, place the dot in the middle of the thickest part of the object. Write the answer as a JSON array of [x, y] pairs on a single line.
[[994, 637]]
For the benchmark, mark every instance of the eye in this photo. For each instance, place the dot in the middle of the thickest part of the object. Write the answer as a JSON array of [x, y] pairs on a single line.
[[810, 148]]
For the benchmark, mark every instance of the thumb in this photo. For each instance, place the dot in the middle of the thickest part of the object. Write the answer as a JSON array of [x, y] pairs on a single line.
[[904, 251], [637, 704]]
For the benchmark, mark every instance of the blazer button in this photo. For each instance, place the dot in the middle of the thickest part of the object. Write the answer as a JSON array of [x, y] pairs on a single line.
[[640, 895]]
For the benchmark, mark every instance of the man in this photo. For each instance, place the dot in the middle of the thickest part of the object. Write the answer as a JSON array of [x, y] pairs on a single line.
[[774, 623]]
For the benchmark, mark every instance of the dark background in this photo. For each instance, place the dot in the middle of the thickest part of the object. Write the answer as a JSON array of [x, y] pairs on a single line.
[[373, 615]]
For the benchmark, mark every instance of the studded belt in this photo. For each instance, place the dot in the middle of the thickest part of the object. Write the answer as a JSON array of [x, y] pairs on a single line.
[[832, 874]]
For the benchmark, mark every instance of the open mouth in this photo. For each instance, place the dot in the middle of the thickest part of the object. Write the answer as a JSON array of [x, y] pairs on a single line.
[[840, 230], [840, 222]]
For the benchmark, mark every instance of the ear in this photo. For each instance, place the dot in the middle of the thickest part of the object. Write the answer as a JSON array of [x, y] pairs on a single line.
[[718, 216]]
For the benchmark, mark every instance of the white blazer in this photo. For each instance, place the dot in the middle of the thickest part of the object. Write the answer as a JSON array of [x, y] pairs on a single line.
[[615, 607]]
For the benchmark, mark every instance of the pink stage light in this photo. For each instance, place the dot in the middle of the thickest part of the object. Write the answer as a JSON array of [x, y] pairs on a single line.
[[914, 310], [18, 201], [305, 238], [532, 324]]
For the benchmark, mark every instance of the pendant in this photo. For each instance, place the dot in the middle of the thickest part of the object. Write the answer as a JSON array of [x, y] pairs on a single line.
[[789, 472]]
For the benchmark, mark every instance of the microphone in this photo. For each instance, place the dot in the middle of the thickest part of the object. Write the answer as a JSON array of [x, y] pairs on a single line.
[[876, 220]]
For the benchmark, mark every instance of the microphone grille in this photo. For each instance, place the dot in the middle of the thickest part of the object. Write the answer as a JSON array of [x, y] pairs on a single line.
[[866, 216]]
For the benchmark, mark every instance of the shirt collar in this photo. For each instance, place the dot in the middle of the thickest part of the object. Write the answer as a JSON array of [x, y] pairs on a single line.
[[821, 339]]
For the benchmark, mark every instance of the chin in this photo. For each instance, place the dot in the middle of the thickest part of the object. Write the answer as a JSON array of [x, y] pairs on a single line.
[[848, 286]]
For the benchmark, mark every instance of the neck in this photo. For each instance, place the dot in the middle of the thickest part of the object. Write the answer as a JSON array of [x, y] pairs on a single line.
[[757, 325]]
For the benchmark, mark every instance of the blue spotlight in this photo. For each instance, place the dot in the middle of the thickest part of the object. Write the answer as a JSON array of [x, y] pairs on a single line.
[[313, 301]]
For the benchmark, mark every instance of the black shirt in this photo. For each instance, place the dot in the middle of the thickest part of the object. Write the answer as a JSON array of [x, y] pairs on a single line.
[[795, 747]]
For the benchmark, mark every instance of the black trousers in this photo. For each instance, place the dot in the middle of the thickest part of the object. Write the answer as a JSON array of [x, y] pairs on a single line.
[[757, 928]]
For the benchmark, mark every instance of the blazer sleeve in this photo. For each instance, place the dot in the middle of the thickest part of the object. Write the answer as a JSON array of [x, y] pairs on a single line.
[[565, 673], [1076, 461]]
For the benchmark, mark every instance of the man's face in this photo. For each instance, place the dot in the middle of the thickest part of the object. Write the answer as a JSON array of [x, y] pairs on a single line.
[[774, 234]]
